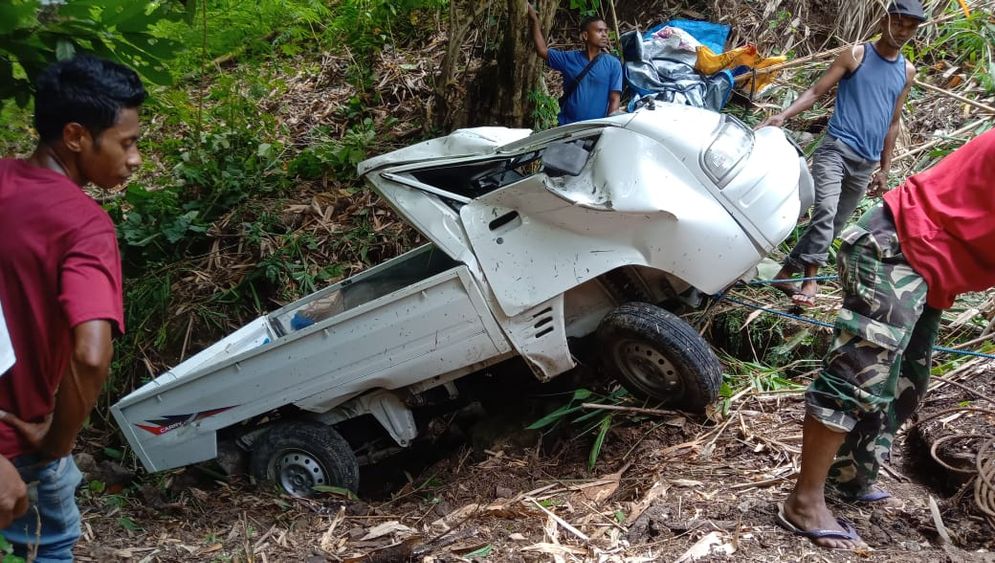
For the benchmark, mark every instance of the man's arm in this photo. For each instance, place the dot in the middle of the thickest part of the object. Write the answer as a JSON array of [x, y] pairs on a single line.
[[13, 493], [845, 62], [879, 182], [615, 92], [540, 42], [613, 102], [80, 387]]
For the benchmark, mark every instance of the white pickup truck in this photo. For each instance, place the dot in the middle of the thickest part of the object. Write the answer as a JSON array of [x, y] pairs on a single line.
[[538, 240]]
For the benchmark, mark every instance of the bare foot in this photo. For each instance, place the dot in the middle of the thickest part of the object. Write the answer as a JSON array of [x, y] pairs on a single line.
[[787, 288], [812, 519]]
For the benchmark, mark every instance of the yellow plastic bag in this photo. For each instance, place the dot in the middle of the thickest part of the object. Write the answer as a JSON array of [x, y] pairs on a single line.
[[709, 63]]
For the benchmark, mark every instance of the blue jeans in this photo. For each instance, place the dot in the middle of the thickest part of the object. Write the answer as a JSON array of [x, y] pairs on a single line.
[[51, 526]]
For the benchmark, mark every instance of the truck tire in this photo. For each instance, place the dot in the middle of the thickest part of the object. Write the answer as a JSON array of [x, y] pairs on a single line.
[[656, 355], [299, 455]]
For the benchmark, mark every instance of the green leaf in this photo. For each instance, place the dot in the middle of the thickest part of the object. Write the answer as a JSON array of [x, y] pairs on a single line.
[[482, 552], [5, 546], [96, 486], [606, 425], [64, 50], [114, 453], [593, 414], [130, 16], [338, 491], [128, 524], [552, 417], [17, 14]]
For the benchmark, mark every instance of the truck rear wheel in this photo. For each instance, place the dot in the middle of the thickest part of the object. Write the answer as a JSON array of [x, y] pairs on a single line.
[[656, 355], [300, 455]]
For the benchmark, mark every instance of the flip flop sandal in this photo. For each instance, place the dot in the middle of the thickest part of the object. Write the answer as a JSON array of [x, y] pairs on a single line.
[[848, 532], [876, 494]]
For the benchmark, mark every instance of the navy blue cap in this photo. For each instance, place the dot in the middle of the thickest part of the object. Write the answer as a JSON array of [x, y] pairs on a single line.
[[910, 8]]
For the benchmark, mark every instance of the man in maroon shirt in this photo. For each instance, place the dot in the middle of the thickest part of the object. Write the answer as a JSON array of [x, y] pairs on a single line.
[[900, 266], [60, 284]]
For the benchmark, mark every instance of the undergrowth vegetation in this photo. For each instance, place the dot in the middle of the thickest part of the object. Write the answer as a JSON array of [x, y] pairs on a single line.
[[220, 163]]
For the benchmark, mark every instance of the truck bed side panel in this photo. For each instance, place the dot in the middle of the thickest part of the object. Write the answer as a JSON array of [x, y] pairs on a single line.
[[427, 329]]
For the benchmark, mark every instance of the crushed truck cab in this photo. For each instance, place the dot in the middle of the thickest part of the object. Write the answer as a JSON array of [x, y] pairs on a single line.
[[538, 241]]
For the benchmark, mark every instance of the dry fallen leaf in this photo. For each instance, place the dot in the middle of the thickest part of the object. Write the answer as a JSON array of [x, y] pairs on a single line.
[[689, 483], [392, 527], [443, 524], [713, 543], [328, 543]]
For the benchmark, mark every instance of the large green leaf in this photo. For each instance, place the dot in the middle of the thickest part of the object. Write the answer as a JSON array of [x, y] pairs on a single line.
[[16, 14], [33, 36]]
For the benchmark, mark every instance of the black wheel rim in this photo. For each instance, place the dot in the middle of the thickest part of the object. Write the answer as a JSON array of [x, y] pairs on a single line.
[[648, 369], [298, 472]]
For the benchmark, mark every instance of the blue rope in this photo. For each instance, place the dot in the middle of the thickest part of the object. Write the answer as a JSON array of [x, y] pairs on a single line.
[[945, 350], [816, 322], [792, 280], [776, 312]]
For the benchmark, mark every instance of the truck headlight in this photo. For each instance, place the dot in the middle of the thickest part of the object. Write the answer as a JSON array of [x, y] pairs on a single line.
[[732, 144]]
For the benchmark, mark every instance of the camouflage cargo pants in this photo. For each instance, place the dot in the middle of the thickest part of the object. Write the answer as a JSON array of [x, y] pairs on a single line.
[[877, 369]]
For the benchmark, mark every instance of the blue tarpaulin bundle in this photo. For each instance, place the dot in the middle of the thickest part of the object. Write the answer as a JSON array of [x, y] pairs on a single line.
[[664, 69], [711, 35]]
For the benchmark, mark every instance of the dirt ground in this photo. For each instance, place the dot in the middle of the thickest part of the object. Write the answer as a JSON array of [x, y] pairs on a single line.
[[664, 488]]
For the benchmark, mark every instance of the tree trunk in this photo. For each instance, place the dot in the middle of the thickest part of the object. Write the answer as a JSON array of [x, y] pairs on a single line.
[[490, 67]]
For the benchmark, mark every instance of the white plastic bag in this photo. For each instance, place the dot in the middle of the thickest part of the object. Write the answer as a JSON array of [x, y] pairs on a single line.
[[6, 348]]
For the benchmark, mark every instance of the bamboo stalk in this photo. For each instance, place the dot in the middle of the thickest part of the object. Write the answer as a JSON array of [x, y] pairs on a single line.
[[614, 19], [963, 387], [823, 54], [637, 410], [934, 142], [793, 62], [765, 482], [958, 97]]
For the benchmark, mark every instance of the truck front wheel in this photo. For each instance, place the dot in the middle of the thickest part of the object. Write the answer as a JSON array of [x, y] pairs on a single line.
[[301, 455], [656, 355]]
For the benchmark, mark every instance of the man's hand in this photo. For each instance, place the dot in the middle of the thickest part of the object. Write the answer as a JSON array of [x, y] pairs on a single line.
[[13, 493], [32, 432], [878, 185], [534, 27], [776, 120]]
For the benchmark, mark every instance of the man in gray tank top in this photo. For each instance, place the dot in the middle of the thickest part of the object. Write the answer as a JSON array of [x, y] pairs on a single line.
[[874, 80]]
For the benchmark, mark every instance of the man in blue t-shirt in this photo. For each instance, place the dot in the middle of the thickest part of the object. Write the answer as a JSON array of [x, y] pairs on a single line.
[[598, 91]]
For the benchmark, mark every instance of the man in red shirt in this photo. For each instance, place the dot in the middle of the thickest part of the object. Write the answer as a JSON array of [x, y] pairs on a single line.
[[60, 283], [900, 266], [13, 493]]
